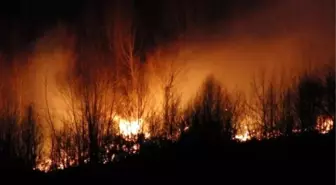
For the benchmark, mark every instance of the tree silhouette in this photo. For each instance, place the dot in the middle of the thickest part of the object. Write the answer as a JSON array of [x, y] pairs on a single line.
[[211, 112], [329, 102], [20, 131], [259, 106], [269, 103], [309, 100], [31, 134], [287, 109]]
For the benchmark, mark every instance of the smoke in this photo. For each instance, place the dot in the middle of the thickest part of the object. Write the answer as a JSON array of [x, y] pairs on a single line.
[[282, 38], [52, 58]]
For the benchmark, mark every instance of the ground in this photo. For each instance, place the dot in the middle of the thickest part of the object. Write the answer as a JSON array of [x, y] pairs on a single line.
[[303, 159]]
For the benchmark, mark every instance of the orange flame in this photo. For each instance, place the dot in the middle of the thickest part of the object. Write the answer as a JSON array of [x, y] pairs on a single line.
[[243, 137], [324, 124], [131, 128]]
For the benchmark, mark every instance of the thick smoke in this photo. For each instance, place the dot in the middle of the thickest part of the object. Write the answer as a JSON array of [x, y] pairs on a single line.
[[51, 60], [282, 37]]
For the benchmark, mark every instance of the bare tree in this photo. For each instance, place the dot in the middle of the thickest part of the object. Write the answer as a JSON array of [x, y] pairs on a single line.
[[74, 123], [238, 109], [20, 132], [272, 108], [259, 105], [154, 127], [9, 123], [91, 93], [171, 100], [91, 104], [55, 151], [267, 98], [212, 112], [170, 110], [287, 116], [31, 135], [329, 83], [130, 70], [308, 103]]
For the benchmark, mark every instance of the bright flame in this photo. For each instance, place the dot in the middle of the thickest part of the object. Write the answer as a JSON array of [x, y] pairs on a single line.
[[244, 133], [131, 128], [324, 124], [243, 137], [44, 166]]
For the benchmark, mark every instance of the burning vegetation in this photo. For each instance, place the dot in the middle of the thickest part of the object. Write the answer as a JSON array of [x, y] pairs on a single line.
[[99, 100]]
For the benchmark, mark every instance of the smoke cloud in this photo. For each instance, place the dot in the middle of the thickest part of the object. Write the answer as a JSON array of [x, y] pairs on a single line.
[[282, 37]]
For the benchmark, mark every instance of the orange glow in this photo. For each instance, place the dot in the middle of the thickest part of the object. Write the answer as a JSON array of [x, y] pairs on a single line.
[[44, 166], [324, 124], [231, 59], [131, 128], [128, 128], [247, 129], [243, 137]]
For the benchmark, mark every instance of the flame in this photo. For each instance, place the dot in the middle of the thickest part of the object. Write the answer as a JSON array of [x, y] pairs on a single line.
[[44, 165], [246, 131], [128, 128], [324, 124], [132, 127], [243, 137]]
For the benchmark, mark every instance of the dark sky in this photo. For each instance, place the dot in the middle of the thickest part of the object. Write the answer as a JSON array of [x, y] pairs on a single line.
[[22, 21]]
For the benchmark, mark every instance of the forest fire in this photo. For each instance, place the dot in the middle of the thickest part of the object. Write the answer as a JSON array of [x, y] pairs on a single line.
[[97, 94], [324, 124], [243, 137], [128, 129], [131, 128]]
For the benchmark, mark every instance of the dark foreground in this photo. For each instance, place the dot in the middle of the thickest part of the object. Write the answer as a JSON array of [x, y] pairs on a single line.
[[304, 159]]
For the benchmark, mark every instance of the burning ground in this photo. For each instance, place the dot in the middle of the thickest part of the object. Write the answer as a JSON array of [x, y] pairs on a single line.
[[81, 96]]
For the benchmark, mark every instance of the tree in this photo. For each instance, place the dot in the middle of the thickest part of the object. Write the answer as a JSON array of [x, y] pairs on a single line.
[[31, 136], [94, 85], [329, 100], [308, 101], [20, 132], [55, 150], [130, 71], [287, 108], [9, 126], [170, 106], [168, 74], [92, 90], [239, 113], [74, 120], [267, 97], [211, 114], [259, 105]]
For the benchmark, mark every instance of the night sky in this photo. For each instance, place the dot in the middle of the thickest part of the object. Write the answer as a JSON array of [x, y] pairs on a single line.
[[23, 21], [100, 72]]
